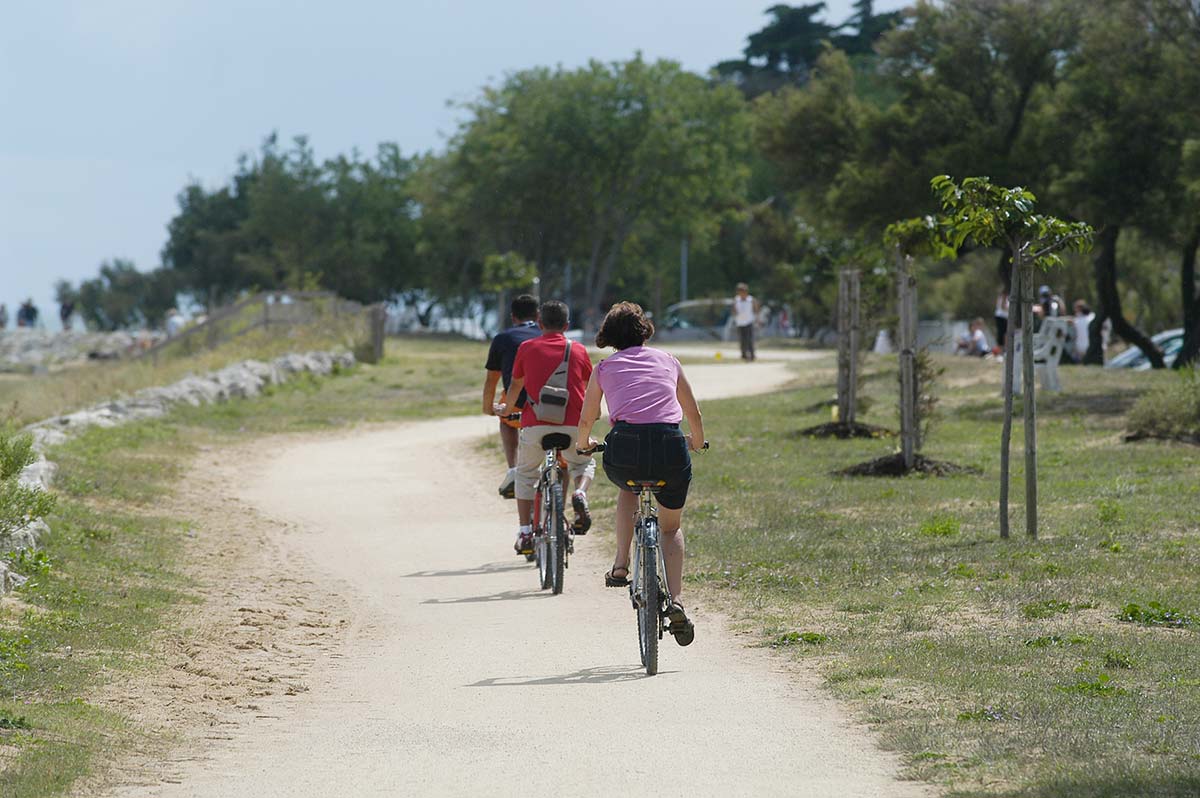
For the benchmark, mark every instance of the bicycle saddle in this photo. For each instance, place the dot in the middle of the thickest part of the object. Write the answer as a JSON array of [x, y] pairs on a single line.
[[556, 440], [642, 484]]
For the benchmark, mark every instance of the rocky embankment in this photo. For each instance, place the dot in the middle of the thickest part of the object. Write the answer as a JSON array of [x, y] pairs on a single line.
[[241, 380], [31, 350]]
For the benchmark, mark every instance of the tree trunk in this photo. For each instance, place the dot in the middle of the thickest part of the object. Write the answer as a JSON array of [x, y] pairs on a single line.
[[1004, 271], [1105, 270], [1191, 302], [855, 297], [603, 271], [1006, 432], [1028, 398]]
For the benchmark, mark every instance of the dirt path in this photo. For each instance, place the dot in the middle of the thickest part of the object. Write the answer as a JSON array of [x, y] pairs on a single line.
[[455, 676]]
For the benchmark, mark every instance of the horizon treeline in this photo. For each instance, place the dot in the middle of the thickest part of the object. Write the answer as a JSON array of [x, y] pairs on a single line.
[[777, 168]]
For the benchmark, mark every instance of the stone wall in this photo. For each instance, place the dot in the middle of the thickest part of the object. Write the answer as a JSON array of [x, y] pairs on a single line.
[[25, 349], [239, 381]]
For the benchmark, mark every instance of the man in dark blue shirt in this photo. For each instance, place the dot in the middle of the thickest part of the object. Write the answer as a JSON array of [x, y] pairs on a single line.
[[499, 367]]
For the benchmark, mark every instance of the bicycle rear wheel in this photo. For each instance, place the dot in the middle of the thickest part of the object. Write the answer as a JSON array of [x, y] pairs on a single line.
[[541, 548], [648, 616], [558, 540]]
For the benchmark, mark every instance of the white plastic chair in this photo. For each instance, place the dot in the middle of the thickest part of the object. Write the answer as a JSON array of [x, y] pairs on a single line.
[[1048, 343]]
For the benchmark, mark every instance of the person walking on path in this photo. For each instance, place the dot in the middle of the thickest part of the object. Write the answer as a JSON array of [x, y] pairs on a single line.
[[537, 359], [501, 355], [3, 316], [745, 316], [648, 395]]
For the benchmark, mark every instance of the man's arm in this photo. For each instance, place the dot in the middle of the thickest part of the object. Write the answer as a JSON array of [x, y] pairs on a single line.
[[514, 392], [489, 391]]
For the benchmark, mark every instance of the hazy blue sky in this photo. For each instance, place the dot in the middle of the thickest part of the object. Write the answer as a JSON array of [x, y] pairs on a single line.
[[110, 106]]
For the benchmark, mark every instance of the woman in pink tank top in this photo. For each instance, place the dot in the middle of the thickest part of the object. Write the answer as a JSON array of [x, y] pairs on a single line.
[[648, 395]]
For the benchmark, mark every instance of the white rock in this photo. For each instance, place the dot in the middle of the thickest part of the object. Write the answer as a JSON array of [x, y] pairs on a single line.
[[245, 379]]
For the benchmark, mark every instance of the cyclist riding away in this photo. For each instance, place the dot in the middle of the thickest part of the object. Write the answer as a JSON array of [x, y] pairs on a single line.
[[501, 355], [538, 359], [648, 395]]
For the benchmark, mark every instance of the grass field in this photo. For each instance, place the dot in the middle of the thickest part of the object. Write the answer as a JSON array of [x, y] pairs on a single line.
[[994, 667], [110, 573], [997, 667]]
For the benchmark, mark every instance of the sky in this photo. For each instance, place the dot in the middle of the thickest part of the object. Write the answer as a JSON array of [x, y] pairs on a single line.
[[108, 108]]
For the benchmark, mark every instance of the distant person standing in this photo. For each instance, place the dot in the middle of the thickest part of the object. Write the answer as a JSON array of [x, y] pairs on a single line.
[[65, 311], [1082, 321], [745, 315], [174, 322], [499, 366], [1000, 316], [27, 314], [3, 317]]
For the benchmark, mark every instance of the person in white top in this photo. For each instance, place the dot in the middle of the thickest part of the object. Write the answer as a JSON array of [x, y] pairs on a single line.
[[1083, 322], [1001, 316], [745, 314]]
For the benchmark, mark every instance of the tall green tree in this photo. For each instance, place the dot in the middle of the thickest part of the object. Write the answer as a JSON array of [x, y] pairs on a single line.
[[785, 51], [121, 297], [568, 165], [287, 220], [1119, 165]]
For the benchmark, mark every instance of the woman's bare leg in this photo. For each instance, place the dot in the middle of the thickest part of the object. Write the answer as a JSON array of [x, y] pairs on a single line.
[[671, 540], [626, 507]]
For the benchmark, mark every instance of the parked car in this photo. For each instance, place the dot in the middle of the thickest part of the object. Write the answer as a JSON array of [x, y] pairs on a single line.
[[695, 320], [1170, 342]]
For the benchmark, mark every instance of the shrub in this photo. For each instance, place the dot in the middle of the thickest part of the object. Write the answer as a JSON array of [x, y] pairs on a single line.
[[941, 526], [1155, 614], [18, 504], [1170, 410]]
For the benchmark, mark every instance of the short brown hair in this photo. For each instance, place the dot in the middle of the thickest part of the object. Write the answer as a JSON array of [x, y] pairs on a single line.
[[554, 315], [624, 325]]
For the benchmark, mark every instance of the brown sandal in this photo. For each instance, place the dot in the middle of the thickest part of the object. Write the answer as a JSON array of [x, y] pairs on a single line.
[[612, 580]]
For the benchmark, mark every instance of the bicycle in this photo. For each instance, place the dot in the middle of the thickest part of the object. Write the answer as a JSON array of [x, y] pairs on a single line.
[[648, 588], [553, 537]]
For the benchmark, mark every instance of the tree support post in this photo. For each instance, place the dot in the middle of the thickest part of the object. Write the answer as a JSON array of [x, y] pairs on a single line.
[[1009, 366], [843, 346], [1028, 399], [855, 301], [906, 289]]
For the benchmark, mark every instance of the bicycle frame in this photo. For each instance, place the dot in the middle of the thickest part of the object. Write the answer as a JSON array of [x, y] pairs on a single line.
[[551, 549], [646, 544]]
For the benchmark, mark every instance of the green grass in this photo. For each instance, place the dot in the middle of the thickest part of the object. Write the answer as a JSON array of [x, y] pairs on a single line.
[[109, 573], [1062, 666], [1058, 667]]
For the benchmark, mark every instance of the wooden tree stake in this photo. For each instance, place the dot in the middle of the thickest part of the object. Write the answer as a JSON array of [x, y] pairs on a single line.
[[907, 293]]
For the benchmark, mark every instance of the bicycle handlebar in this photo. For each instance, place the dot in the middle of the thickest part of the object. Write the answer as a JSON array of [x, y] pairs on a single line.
[[599, 447]]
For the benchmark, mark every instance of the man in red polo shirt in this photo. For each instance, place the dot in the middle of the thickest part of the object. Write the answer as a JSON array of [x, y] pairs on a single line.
[[536, 360]]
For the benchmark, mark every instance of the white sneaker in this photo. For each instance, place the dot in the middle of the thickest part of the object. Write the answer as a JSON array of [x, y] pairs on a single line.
[[508, 485]]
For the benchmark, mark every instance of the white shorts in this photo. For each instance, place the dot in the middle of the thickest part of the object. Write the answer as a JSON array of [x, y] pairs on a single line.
[[530, 456]]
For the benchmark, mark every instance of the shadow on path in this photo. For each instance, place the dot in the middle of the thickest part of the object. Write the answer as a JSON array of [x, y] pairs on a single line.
[[479, 570], [507, 595], [603, 675]]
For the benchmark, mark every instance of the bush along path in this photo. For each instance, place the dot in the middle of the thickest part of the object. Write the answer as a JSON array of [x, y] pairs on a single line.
[[248, 378]]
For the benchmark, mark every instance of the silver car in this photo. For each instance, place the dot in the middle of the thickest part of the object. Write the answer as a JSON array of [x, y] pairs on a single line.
[[1170, 342]]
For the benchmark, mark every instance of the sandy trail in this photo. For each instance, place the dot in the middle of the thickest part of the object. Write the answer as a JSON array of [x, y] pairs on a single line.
[[457, 676]]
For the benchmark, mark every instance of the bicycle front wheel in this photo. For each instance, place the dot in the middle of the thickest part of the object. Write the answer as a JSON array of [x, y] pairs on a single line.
[[541, 546], [649, 619]]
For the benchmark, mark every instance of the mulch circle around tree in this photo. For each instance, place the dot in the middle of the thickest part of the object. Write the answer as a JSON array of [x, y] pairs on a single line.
[[844, 431], [893, 466], [1134, 437]]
